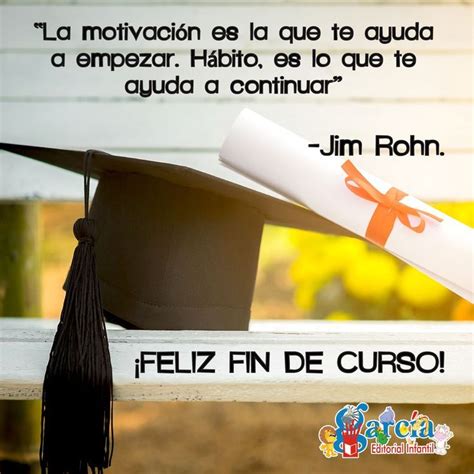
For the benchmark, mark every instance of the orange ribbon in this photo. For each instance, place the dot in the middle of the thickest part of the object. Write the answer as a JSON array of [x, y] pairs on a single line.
[[389, 207]]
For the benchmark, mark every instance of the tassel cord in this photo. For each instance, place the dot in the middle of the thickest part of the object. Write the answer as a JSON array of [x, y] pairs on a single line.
[[77, 406]]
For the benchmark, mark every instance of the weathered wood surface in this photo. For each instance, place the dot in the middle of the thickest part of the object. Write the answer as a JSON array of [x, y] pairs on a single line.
[[25, 348], [148, 130], [81, 108], [22, 178], [19, 34], [431, 82], [146, 125], [232, 2]]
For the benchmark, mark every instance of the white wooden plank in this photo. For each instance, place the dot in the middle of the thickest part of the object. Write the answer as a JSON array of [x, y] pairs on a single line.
[[134, 126], [290, 326], [19, 32], [446, 179], [304, 326], [229, 2], [24, 179], [203, 126], [24, 354], [25, 324], [436, 77]]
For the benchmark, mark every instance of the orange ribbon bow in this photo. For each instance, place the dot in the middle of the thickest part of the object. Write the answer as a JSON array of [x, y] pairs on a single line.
[[389, 207]]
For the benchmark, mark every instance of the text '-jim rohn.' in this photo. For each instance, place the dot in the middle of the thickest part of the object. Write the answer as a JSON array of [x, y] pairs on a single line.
[[383, 145]]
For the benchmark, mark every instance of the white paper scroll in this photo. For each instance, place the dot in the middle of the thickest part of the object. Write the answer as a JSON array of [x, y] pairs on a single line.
[[282, 161]]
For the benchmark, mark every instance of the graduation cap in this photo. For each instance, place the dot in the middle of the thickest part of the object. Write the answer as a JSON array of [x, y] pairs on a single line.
[[163, 246]]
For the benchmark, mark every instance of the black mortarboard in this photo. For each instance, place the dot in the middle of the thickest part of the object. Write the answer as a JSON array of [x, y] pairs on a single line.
[[175, 248]]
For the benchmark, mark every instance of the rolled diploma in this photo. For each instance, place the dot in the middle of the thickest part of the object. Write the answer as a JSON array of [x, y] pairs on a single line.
[[282, 161]]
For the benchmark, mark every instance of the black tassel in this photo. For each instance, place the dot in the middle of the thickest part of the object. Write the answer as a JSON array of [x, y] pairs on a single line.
[[77, 428]]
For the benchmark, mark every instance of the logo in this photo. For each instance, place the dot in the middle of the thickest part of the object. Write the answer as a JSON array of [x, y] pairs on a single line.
[[353, 434]]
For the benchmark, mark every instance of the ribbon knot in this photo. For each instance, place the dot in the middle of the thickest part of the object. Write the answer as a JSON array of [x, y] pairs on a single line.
[[389, 207]]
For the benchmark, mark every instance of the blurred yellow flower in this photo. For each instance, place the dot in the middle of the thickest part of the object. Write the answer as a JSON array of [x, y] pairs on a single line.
[[275, 247], [321, 261], [371, 278], [420, 291], [462, 211], [345, 250], [309, 269], [463, 311], [305, 296], [339, 316], [321, 257]]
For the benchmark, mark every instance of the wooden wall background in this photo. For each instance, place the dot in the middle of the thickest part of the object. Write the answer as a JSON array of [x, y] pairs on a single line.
[[84, 108]]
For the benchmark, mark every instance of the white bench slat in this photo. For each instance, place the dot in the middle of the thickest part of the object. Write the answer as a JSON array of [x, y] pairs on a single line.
[[22, 178], [180, 126], [227, 3], [25, 347], [19, 34], [64, 110], [437, 76]]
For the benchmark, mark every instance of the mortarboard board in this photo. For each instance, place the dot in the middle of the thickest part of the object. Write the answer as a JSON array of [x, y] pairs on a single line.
[[163, 246], [177, 248]]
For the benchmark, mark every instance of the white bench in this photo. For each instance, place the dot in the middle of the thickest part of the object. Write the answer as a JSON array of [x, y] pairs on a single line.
[[25, 345]]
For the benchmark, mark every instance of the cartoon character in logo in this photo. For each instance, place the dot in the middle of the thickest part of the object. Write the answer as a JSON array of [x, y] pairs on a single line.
[[441, 436], [351, 415], [382, 438], [420, 422], [327, 436], [350, 420], [387, 417]]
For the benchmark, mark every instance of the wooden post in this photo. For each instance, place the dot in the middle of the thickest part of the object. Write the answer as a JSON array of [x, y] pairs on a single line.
[[20, 296]]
